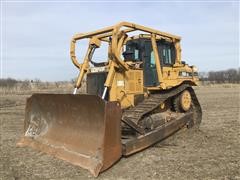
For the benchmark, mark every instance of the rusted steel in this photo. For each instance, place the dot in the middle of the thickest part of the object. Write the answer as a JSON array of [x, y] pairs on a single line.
[[143, 141], [81, 129]]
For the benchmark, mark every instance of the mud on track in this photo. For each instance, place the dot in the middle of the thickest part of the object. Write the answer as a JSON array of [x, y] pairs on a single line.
[[213, 152]]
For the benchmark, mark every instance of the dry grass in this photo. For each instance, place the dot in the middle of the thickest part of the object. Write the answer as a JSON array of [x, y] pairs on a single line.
[[210, 153], [27, 87]]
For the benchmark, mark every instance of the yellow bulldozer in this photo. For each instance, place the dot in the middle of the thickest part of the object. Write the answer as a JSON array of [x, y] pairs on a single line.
[[141, 94]]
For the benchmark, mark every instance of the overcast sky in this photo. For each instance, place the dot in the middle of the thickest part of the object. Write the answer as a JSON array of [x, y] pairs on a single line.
[[36, 36]]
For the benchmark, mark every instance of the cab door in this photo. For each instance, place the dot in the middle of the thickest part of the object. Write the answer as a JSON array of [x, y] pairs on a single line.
[[167, 56], [149, 66]]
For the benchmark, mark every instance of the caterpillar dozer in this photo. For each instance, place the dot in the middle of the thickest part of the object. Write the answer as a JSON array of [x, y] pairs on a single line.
[[141, 94]]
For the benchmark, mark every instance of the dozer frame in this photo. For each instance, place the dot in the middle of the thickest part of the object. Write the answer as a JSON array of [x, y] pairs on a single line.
[[142, 94], [117, 37]]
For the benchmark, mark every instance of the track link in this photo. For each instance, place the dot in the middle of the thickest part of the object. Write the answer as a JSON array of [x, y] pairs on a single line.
[[132, 116]]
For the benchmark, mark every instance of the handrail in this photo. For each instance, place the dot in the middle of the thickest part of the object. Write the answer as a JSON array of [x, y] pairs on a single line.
[[119, 37], [109, 31]]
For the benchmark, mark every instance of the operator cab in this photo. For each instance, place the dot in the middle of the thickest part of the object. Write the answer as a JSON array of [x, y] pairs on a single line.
[[140, 51], [133, 50]]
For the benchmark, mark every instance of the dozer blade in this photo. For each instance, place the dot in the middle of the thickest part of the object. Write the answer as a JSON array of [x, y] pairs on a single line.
[[81, 129]]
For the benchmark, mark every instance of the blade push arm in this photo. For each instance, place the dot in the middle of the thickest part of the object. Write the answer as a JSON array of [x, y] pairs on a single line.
[[94, 43]]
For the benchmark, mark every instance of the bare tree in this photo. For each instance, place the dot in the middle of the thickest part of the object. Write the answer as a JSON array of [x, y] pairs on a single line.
[[8, 83], [225, 76]]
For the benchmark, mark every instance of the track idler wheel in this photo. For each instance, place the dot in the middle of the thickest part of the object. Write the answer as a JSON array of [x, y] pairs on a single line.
[[182, 102]]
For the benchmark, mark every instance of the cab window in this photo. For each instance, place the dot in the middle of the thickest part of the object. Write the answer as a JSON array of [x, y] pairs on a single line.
[[152, 60], [167, 53], [132, 52], [136, 54]]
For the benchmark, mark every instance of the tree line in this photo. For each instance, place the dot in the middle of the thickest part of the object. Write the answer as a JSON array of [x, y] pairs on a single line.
[[223, 76]]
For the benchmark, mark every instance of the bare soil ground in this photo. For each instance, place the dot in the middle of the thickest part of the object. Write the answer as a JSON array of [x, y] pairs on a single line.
[[212, 152]]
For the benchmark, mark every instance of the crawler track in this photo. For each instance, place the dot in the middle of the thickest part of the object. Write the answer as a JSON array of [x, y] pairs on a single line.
[[133, 115]]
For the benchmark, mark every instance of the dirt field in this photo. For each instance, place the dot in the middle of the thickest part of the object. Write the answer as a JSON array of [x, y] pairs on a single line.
[[213, 152]]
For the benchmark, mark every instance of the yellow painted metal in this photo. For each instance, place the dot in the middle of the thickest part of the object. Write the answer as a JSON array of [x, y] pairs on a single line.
[[185, 100], [85, 129], [112, 32], [83, 69], [148, 36], [126, 86], [162, 105], [111, 74], [119, 72], [115, 44], [157, 59], [178, 53], [149, 30], [95, 41]]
